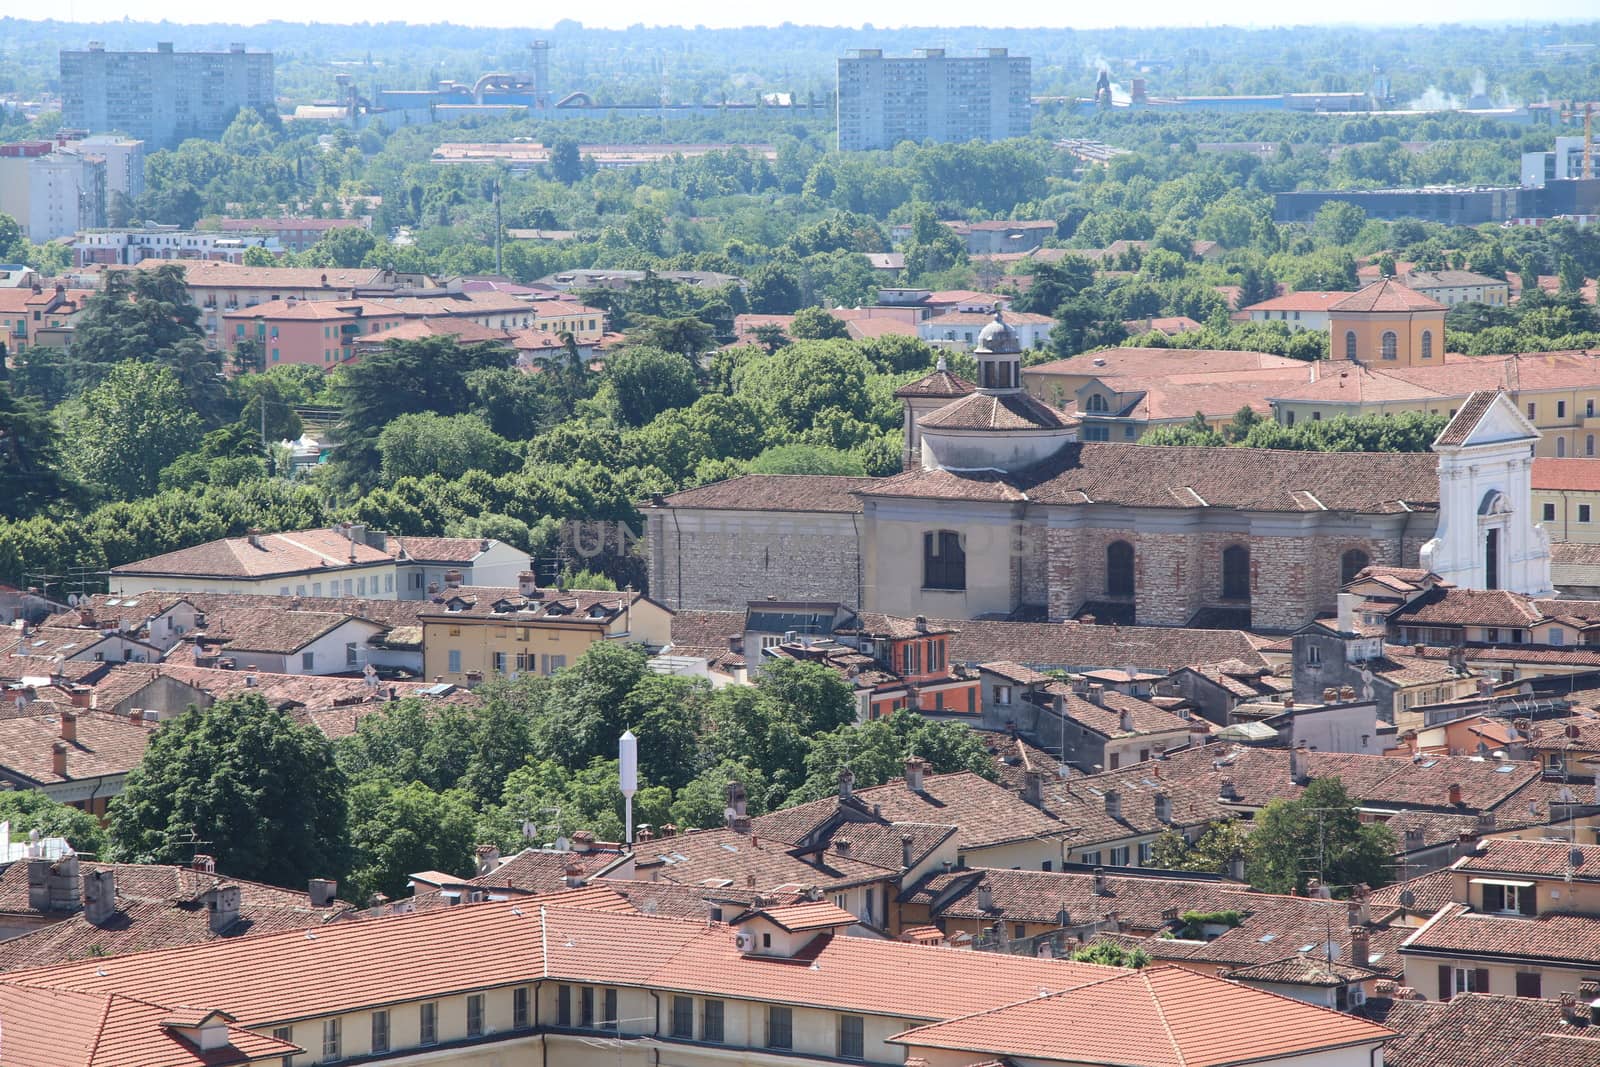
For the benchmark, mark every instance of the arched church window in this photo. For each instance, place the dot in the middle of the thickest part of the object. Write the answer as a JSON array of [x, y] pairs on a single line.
[[1350, 344], [944, 561], [1427, 344], [1351, 564], [1119, 569], [1391, 344], [1236, 573]]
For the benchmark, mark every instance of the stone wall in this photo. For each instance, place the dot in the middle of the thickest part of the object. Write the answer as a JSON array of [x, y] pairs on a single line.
[[720, 561]]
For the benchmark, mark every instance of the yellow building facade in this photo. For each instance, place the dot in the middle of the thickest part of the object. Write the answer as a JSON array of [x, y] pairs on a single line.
[[477, 634]]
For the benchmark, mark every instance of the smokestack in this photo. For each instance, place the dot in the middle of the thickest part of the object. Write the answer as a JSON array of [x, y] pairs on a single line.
[[321, 892], [916, 766], [1359, 946], [58, 759], [69, 727], [100, 896], [1033, 787]]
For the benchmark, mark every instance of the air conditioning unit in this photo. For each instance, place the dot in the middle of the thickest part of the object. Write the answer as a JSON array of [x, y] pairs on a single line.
[[744, 942]]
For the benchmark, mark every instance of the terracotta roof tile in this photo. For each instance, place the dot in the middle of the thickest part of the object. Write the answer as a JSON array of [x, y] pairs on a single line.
[[1006, 411], [1140, 901], [1080, 646], [1467, 418], [940, 383], [1533, 859], [1552, 936], [1387, 295], [105, 746], [1429, 892], [1302, 969], [718, 858], [302, 551], [1157, 1017], [1472, 1030], [775, 492]]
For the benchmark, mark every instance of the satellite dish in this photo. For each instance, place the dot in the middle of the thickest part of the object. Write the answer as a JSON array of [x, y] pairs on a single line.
[[729, 814], [1408, 899], [1575, 857], [72, 599], [529, 829]]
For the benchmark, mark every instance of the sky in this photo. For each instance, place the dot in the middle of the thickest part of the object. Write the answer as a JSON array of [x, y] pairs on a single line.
[[618, 14]]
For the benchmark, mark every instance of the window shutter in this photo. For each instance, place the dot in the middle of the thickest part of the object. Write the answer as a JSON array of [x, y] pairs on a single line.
[[1528, 900], [1528, 984], [1447, 979], [1480, 980]]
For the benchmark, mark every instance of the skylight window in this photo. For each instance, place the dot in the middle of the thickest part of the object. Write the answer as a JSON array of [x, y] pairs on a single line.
[[1267, 939]]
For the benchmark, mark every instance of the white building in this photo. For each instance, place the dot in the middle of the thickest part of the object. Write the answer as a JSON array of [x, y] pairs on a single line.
[[1487, 537], [66, 193], [1565, 162], [928, 96]]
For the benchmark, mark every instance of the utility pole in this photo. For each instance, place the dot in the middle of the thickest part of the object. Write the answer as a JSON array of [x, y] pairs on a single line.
[[497, 265]]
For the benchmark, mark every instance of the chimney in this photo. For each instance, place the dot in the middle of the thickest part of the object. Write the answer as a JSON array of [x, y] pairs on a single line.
[[58, 759], [69, 727], [1347, 693], [1454, 794], [922, 624], [736, 644], [1163, 807], [841, 845], [573, 875], [321, 892], [1113, 804], [86, 615], [916, 766], [1347, 613], [488, 858], [253, 536], [1570, 1010], [1330, 694], [527, 584], [39, 885], [905, 851], [1236, 868], [1126, 721], [1100, 882], [452, 579], [1033, 787], [222, 904], [738, 800], [582, 841], [1414, 839], [740, 824], [1097, 694], [100, 896], [1227, 790], [203, 863], [1359, 953], [1299, 768], [847, 782], [985, 897]]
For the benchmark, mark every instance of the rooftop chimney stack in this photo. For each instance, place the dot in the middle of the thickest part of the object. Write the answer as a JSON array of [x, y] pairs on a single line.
[[1126, 721], [222, 905], [1454, 794], [847, 783], [1113, 804], [1360, 952], [100, 896], [1097, 694], [1033, 787], [321, 892], [1099, 881], [985, 897], [916, 767], [58, 759], [527, 584], [488, 858], [452, 579], [1227, 790], [69, 727], [582, 841], [1347, 613], [1299, 765], [1163, 807], [905, 851]]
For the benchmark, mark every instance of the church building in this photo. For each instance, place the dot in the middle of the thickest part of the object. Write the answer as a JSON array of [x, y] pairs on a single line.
[[1004, 513]]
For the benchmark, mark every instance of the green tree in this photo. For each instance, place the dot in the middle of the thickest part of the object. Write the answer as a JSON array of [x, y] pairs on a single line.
[[1110, 954], [262, 792], [10, 238], [120, 434], [395, 830], [1214, 853], [810, 695], [770, 336], [29, 809], [421, 443], [1338, 223], [143, 314], [30, 461], [806, 459], [256, 256], [343, 246], [1318, 831], [646, 381], [815, 324], [566, 166], [683, 334], [774, 289]]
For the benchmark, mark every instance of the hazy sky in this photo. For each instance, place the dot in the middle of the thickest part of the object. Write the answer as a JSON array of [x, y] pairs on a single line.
[[720, 13]]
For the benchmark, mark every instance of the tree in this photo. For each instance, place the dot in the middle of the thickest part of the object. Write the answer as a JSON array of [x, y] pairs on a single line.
[[30, 462], [566, 165], [1215, 852], [421, 443], [256, 256], [1110, 954], [646, 381], [1319, 832], [29, 809], [10, 238], [806, 459], [139, 314], [684, 334], [815, 324], [770, 336], [343, 246], [261, 791], [120, 434], [810, 695], [398, 829], [774, 289]]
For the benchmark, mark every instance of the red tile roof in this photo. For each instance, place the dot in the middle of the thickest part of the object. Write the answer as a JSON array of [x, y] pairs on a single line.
[[775, 492], [940, 383], [1551, 937], [1300, 301], [1387, 295], [1156, 1017], [299, 552], [985, 411], [1473, 1030], [1573, 475]]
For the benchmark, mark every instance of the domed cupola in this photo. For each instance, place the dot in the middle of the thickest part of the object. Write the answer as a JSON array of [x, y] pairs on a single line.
[[999, 356]]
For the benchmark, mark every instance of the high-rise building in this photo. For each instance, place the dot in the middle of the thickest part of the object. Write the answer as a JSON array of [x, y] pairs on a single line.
[[930, 96], [66, 193], [162, 97]]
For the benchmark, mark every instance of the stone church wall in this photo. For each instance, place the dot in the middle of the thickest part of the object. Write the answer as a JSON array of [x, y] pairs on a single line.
[[719, 561]]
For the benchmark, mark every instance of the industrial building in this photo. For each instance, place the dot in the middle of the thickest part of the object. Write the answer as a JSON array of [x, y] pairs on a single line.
[[929, 96], [163, 97], [1451, 205]]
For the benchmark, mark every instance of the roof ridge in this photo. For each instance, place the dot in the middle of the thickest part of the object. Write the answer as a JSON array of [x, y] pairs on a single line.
[[1144, 975], [105, 1015]]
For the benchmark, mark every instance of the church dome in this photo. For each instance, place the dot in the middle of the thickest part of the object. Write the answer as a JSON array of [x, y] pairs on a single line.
[[997, 338]]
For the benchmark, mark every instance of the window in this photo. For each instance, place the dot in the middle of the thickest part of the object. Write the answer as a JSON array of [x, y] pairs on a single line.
[[285, 1033], [1351, 564], [780, 1027], [1561, 447], [475, 1015], [1558, 636], [1533, 410], [1509, 899], [1119, 569], [586, 1007], [1018, 931], [1313, 655], [1561, 409], [1146, 853], [944, 561], [1096, 402], [350, 654], [1549, 513], [1588, 408], [1427, 344], [610, 1020], [455, 661], [500, 662], [564, 1005], [308, 661], [330, 1040], [852, 1038], [1091, 858], [1528, 984], [380, 1031], [1583, 512], [361, 587], [519, 1008], [1456, 980], [1119, 856], [1002, 695], [1588, 445], [1491, 559], [1390, 344], [429, 1029], [1289, 418], [711, 1021], [1236, 573], [1350, 344], [683, 1017]]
